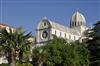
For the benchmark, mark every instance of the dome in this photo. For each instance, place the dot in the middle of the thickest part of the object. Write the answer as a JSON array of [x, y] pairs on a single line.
[[77, 20]]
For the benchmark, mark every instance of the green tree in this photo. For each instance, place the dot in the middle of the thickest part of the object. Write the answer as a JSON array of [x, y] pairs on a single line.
[[93, 44], [13, 43], [23, 64], [66, 54], [38, 56], [60, 53]]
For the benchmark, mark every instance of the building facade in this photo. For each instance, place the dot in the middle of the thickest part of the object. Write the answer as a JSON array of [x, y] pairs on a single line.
[[46, 29], [7, 27]]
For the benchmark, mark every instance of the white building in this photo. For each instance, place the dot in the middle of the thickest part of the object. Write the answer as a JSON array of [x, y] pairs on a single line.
[[46, 29]]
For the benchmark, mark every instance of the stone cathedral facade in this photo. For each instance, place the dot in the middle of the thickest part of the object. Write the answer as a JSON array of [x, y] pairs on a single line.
[[46, 29]]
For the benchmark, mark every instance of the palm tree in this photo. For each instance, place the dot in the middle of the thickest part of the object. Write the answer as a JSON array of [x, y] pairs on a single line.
[[13, 43]]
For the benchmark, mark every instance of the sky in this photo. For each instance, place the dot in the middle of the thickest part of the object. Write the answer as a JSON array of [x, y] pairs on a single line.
[[28, 13]]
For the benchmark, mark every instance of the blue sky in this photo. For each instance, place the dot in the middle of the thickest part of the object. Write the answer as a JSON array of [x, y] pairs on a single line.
[[28, 13]]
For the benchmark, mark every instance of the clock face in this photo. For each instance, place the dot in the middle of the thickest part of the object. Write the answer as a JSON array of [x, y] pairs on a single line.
[[44, 34]]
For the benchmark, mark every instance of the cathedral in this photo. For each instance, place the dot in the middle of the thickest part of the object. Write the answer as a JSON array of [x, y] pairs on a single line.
[[47, 29]]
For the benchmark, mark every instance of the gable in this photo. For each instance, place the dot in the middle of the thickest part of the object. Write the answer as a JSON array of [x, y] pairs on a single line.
[[43, 24]]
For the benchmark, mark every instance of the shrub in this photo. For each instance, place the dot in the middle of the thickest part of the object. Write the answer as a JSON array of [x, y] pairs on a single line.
[[23, 64], [4, 64]]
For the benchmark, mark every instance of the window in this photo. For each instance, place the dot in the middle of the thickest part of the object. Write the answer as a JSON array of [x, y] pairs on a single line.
[[44, 34], [60, 34], [69, 36], [44, 23], [65, 35], [55, 32], [75, 23], [74, 38]]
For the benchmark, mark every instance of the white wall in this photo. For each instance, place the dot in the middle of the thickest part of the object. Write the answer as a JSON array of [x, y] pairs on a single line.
[[3, 60], [68, 35]]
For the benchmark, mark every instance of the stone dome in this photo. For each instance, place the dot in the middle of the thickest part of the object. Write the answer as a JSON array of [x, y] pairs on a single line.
[[77, 20]]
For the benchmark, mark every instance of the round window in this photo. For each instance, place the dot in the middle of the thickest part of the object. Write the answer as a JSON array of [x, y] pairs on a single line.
[[44, 34]]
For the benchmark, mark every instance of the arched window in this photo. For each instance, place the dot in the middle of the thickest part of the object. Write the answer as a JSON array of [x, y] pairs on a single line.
[[65, 35], [69, 36], [74, 38], [75, 24], [55, 32], [44, 24], [60, 34]]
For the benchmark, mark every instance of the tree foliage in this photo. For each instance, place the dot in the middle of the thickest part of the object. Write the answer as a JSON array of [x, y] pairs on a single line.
[[18, 63], [93, 41], [13, 43], [60, 53]]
